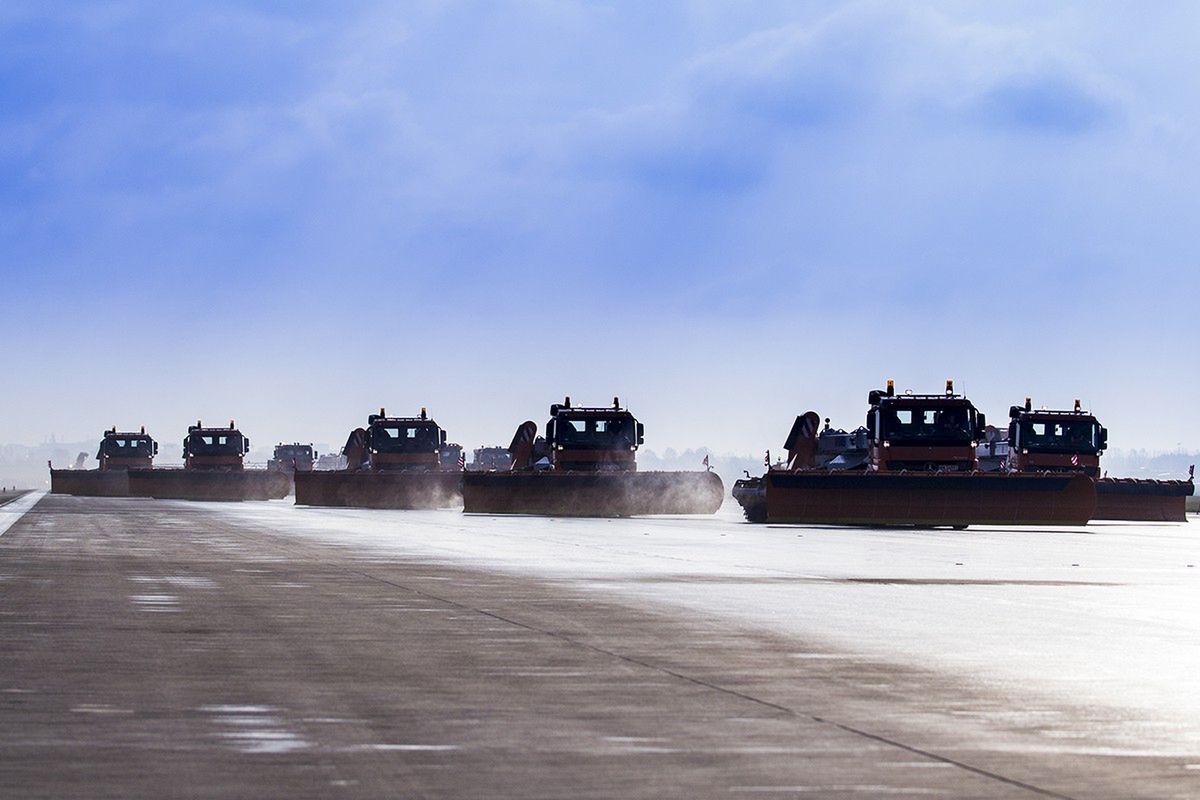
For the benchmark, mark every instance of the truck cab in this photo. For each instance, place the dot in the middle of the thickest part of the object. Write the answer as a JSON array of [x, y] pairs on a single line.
[[922, 432], [593, 439], [126, 450], [491, 458], [451, 457], [214, 448], [291, 458], [404, 443], [1055, 441], [839, 449]]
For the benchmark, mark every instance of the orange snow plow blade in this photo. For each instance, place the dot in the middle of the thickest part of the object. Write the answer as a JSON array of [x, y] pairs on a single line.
[[401, 489], [1142, 500], [592, 494], [90, 482], [927, 500], [195, 484]]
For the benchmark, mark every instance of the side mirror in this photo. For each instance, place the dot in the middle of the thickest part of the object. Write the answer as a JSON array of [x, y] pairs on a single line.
[[245, 445], [980, 424], [156, 448], [443, 438], [1104, 438], [641, 433]]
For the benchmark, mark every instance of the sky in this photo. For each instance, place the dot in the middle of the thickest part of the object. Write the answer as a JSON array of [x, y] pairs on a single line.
[[726, 213]]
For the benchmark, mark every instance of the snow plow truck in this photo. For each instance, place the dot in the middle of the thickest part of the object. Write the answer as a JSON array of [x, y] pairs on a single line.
[[119, 452], [394, 462], [292, 458], [914, 463], [213, 469], [586, 466], [1071, 442]]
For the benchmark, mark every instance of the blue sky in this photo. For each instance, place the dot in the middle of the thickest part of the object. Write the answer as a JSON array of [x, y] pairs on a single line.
[[727, 213]]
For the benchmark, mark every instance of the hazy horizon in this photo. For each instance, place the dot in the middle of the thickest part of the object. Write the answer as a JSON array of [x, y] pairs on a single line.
[[725, 214]]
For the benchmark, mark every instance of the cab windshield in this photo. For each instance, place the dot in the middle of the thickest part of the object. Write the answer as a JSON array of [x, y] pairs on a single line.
[[125, 447], [596, 433], [1061, 436], [214, 444], [405, 438], [931, 424]]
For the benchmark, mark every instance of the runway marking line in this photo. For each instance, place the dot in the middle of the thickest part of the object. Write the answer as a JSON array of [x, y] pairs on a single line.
[[10, 513]]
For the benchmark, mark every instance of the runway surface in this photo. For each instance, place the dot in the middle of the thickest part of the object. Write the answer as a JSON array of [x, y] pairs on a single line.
[[171, 649]]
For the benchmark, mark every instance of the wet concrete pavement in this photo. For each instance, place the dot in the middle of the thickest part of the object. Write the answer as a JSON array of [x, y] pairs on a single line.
[[158, 649]]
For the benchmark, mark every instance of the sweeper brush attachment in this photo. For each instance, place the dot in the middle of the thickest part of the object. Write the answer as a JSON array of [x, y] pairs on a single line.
[[187, 484], [925, 500], [379, 489], [1142, 500], [592, 494], [90, 482]]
